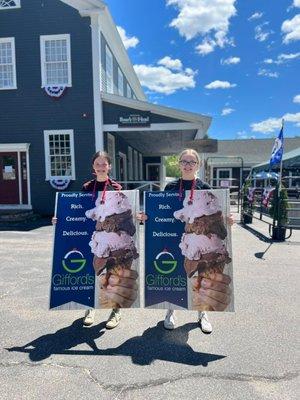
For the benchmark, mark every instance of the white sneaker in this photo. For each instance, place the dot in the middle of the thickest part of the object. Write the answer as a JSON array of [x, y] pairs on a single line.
[[169, 322], [204, 323], [89, 317], [114, 319]]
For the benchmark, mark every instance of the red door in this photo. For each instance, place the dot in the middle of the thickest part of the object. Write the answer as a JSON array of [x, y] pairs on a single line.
[[9, 179]]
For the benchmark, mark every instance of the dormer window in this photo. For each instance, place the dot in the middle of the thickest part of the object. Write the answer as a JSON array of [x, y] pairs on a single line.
[[6, 4]]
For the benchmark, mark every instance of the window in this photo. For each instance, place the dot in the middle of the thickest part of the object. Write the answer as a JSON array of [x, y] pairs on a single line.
[[120, 83], [59, 154], [130, 164], [5, 4], [136, 166], [109, 71], [141, 167], [112, 152], [56, 60], [129, 93], [7, 64]]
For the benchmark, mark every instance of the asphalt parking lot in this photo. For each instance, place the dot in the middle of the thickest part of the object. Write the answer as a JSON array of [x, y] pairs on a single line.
[[251, 354]]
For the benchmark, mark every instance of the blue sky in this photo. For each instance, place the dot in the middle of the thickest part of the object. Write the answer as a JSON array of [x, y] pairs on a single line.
[[235, 60]]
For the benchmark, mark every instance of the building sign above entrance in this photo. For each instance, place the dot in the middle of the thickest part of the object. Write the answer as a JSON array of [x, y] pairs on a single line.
[[134, 120]]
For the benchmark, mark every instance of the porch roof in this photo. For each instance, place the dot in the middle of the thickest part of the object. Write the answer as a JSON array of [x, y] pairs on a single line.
[[169, 130]]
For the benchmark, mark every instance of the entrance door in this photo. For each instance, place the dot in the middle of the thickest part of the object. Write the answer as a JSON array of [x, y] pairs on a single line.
[[153, 172], [224, 177], [9, 179]]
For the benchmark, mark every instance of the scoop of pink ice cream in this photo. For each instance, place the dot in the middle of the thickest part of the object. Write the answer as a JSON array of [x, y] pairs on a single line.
[[193, 246], [103, 243], [115, 203], [204, 203]]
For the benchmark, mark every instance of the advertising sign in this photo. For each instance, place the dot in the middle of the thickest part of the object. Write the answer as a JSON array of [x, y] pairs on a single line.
[[96, 253], [185, 242]]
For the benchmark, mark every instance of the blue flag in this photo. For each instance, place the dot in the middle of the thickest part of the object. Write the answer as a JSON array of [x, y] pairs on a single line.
[[277, 150]]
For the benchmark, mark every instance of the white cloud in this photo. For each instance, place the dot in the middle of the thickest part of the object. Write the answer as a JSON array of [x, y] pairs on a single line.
[[256, 15], [170, 63], [291, 29], [206, 47], [282, 58], [266, 72], [220, 85], [230, 60], [227, 111], [296, 3], [161, 79], [208, 18], [296, 99], [127, 41], [262, 34], [272, 124]]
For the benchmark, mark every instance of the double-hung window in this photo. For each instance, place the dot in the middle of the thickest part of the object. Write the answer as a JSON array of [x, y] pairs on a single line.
[[7, 64], [56, 60], [59, 154], [6, 4], [109, 70], [120, 83]]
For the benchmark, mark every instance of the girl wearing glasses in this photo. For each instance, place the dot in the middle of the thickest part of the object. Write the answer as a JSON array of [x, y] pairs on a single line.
[[214, 291]]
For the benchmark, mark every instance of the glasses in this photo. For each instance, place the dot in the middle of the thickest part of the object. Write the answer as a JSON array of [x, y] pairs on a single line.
[[190, 163]]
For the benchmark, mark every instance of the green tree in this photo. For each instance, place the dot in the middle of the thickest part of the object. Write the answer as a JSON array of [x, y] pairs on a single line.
[[172, 168]]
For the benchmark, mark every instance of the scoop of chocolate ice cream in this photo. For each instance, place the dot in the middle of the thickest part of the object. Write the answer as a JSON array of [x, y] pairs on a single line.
[[208, 224], [117, 222]]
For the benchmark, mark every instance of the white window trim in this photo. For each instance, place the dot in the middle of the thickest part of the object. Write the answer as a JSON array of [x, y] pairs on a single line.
[[43, 39], [13, 48], [112, 154], [111, 87], [130, 163], [47, 153], [120, 84], [18, 5]]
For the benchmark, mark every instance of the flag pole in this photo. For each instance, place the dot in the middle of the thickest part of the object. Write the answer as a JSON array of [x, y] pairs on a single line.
[[280, 170]]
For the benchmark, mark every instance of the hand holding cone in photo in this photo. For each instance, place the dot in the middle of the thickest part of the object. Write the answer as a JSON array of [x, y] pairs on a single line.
[[203, 244], [113, 246]]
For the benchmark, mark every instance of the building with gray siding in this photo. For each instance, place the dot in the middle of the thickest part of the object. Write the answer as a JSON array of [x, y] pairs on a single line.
[[68, 89]]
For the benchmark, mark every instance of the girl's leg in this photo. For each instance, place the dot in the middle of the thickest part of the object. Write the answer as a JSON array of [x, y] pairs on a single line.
[[89, 317], [169, 322], [204, 323], [114, 318]]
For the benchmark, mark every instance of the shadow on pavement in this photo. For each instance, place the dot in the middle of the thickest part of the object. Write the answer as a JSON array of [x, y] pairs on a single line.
[[25, 226], [259, 235], [156, 343]]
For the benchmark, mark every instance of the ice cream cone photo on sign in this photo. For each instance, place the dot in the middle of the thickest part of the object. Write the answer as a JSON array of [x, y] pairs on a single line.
[[206, 246], [114, 245]]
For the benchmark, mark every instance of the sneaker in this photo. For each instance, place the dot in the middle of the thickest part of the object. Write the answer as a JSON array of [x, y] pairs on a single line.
[[169, 322], [89, 317], [204, 323], [114, 319]]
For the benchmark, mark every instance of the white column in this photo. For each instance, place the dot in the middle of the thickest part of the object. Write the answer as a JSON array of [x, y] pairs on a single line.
[[96, 58]]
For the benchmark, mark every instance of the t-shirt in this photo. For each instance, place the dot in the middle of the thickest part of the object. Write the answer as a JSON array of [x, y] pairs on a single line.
[[186, 185], [99, 187]]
